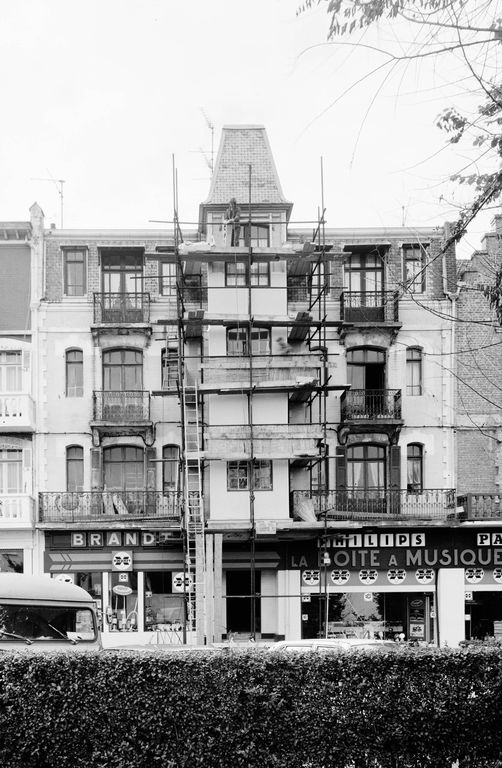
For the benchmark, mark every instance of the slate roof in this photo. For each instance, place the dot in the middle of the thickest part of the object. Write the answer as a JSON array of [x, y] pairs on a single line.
[[241, 146]]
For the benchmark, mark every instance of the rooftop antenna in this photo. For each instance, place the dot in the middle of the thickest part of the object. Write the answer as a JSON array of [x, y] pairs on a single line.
[[59, 186]]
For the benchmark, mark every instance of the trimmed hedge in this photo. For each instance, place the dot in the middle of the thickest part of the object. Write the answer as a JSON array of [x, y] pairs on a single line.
[[411, 709]]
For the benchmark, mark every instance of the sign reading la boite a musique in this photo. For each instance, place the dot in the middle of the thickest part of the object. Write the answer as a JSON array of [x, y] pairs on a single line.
[[445, 548]]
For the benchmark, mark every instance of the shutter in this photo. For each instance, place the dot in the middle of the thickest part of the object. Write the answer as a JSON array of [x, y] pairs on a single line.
[[150, 469], [395, 467], [96, 469], [341, 469]]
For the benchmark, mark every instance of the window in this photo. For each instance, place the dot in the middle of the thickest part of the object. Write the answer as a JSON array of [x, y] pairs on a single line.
[[74, 468], [123, 468], [167, 279], [170, 468], [74, 373], [238, 475], [74, 272], [122, 270], [414, 261], [260, 235], [364, 273], [415, 468], [11, 471], [122, 370], [413, 371], [366, 468], [241, 341], [238, 273], [11, 560], [11, 371]]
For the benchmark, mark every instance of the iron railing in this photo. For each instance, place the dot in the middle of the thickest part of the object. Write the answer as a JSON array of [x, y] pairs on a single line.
[[371, 503], [370, 404], [369, 306], [480, 506], [121, 406], [121, 308], [79, 506]]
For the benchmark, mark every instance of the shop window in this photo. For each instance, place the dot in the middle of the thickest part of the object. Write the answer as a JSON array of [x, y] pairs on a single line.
[[11, 561], [170, 468], [121, 613], [167, 278], [239, 475], [414, 263], [414, 371], [74, 468], [11, 371], [415, 468], [238, 273], [122, 370], [74, 373], [243, 341], [74, 271], [164, 608]]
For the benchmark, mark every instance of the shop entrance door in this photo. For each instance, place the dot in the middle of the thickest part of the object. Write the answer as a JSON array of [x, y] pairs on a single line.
[[240, 607], [420, 620]]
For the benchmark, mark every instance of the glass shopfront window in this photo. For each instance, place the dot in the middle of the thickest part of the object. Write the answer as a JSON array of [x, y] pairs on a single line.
[[164, 609], [386, 615], [121, 613], [483, 615]]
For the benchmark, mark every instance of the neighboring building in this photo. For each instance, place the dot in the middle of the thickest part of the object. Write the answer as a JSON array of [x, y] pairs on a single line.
[[18, 290], [478, 363], [255, 439]]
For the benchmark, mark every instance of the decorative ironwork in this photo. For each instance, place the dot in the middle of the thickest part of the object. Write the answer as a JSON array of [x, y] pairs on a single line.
[[121, 308], [118, 407], [480, 506], [80, 506], [371, 503], [369, 306], [370, 404]]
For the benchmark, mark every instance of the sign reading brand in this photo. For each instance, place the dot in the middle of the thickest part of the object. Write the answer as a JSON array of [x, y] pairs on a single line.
[[89, 539]]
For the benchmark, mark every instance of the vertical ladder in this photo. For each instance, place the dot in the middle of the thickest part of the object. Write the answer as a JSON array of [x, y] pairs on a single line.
[[194, 513]]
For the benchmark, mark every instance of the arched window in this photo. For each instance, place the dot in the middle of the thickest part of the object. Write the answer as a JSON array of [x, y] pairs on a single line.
[[170, 468], [413, 371], [74, 373], [74, 468], [415, 468]]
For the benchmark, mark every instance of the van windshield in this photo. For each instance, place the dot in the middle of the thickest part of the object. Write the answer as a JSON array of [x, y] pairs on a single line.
[[20, 622]]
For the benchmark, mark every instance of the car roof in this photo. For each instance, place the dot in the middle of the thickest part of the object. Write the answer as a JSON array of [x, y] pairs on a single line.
[[19, 586]]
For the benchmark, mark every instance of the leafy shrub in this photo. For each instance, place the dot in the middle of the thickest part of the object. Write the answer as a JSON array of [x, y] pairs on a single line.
[[411, 709]]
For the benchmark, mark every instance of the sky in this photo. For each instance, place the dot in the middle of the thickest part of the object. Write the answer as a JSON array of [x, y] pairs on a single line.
[[110, 95]]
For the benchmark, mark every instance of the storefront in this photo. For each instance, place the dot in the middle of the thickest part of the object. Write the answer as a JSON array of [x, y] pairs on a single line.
[[136, 578]]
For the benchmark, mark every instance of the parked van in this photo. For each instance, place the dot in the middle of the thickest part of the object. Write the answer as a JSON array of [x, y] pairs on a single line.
[[38, 613]]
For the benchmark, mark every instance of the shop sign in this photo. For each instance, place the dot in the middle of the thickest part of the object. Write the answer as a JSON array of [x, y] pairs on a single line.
[[122, 589], [122, 561], [90, 539]]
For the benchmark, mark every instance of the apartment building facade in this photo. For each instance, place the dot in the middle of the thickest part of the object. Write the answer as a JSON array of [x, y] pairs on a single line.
[[256, 438]]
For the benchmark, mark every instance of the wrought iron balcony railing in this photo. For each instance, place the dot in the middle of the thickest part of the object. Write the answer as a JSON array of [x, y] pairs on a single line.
[[121, 308], [371, 503], [79, 506], [121, 407], [370, 404], [369, 306]]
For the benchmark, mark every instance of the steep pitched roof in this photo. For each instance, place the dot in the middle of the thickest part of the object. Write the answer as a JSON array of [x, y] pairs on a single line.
[[240, 147]]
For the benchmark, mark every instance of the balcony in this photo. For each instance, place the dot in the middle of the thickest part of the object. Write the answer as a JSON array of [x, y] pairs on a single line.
[[271, 373], [16, 511], [80, 507], [369, 307], [295, 442], [479, 506], [373, 504], [122, 413], [370, 410], [17, 413], [121, 313]]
